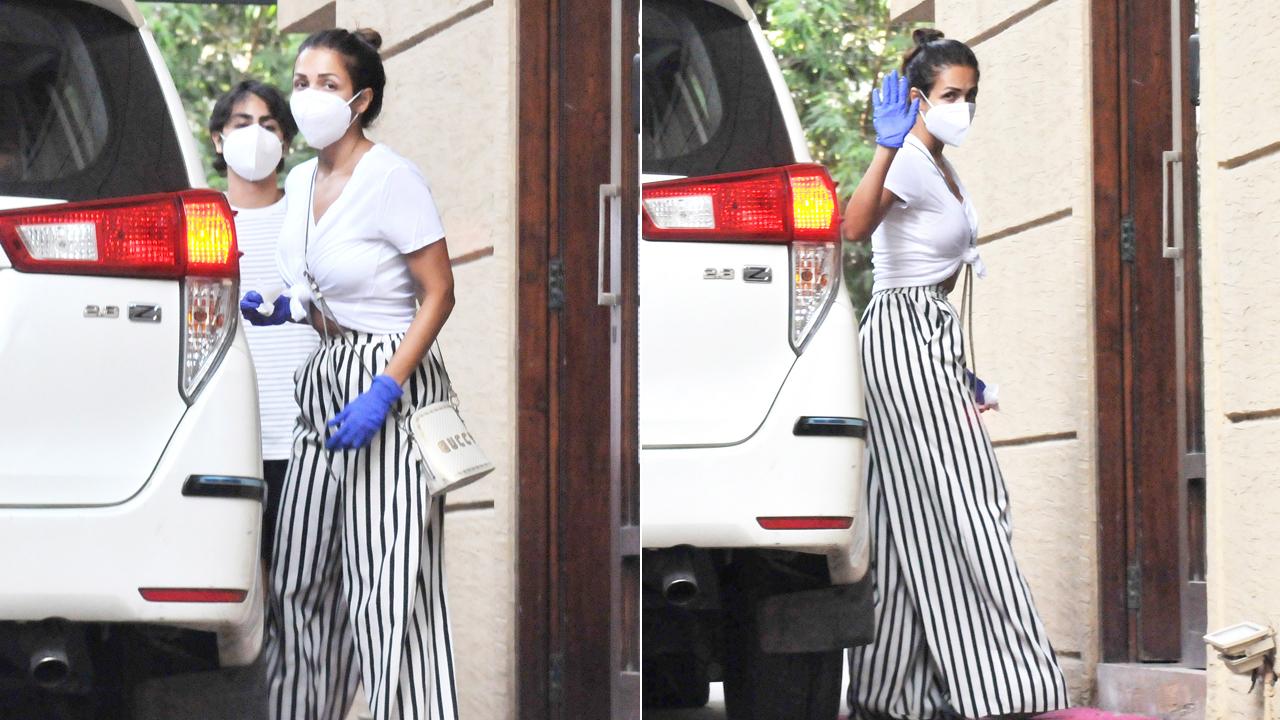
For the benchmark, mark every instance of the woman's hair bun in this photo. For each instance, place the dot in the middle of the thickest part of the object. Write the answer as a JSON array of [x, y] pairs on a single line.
[[371, 36], [924, 36], [932, 52]]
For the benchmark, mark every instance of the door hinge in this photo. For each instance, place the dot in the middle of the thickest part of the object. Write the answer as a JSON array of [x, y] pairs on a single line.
[[555, 678], [1128, 240], [1133, 587], [555, 283]]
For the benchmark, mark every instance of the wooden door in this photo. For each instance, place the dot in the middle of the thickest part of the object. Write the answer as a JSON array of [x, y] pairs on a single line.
[[1150, 409], [578, 644]]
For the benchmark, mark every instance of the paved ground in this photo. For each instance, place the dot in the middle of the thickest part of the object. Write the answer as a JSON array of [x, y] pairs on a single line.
[[715, 705], [222, 695]]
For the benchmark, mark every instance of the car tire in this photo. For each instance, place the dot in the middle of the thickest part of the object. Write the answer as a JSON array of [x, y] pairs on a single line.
[[675, 681], [771, 686]]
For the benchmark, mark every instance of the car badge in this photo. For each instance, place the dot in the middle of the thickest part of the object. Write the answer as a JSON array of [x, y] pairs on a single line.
[[94, 311], [141, 312]]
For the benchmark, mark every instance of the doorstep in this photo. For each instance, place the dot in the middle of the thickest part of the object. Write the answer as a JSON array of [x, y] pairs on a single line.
[[1167, 691]]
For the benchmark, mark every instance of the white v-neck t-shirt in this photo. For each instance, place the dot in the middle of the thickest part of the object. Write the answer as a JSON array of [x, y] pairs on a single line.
[[928, 234], [356, 250]]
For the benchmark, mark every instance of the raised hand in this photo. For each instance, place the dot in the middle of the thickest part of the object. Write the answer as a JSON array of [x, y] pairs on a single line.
[[892, 115]]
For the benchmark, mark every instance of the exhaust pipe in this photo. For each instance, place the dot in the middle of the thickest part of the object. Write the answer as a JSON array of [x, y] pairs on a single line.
[[49, 666], [53, 652], [679, 581]]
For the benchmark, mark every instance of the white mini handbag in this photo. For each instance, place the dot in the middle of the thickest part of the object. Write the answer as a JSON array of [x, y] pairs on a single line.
[[452, 456]]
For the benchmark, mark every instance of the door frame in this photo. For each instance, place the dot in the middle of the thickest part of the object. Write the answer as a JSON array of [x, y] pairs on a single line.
[[1106, 17], [1125, 380], [533, 343]]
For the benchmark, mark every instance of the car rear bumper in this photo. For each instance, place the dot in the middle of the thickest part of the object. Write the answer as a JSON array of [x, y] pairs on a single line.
[[89, 563], [714, 497]]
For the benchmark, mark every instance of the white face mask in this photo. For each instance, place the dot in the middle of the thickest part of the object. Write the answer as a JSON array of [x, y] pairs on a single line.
[[322, 117], [252, 152], [949, 122]]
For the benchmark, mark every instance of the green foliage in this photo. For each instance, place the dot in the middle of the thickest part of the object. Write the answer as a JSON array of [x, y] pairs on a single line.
[[210, 48], [832, 52]]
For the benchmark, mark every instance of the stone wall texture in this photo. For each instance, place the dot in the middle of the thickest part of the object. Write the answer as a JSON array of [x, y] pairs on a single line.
[[1240, 233]]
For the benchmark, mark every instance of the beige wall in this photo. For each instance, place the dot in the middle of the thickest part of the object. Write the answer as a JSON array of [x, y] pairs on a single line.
[[1240, 236], [1026, 165], [451, 107]]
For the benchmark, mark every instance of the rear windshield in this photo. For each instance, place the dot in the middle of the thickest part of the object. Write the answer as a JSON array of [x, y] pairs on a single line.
[[81, 111], [708, 103]]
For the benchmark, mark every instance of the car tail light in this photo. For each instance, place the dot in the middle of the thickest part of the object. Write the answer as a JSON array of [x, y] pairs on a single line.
[[793, 205], [816, 522], [193, 595], [187, 236]]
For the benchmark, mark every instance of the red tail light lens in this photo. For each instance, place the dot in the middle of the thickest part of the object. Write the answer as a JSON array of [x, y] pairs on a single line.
[[193, 595], [161, 236], [793, 205], [796, 203], [818, 522]]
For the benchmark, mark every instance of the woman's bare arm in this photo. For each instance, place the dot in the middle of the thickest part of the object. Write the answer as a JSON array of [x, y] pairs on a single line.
[[431, 269], [870, 201]]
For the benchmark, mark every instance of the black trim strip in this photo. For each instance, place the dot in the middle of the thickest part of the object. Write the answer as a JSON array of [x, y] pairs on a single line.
[[225, 486], [824, 426]]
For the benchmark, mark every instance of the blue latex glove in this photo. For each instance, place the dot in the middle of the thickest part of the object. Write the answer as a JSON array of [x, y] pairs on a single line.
[[365, 415], [979, 388], [987, 397], [249, 309], [892, 116]]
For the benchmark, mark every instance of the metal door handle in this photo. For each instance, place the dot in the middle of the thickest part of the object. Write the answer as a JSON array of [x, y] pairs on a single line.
[[1173, 250], [605, 299]]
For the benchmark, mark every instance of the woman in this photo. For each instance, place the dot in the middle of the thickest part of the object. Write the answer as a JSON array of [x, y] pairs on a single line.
[[956, 628], [251, 129], [357, 583]]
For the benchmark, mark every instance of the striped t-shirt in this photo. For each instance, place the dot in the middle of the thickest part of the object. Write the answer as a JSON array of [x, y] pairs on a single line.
[[277, 350]]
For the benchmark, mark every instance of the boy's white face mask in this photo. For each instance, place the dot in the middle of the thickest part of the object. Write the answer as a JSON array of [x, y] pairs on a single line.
[[949, 122], [252, 152]]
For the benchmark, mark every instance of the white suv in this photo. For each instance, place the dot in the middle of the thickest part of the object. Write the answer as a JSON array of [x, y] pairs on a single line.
[[130, 469], [752, 423]]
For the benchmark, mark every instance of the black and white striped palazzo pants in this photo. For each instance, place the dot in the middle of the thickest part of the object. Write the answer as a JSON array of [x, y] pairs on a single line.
[[357, 591], [956, 628]]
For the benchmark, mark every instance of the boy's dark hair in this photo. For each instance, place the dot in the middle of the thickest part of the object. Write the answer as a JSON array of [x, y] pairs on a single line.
[[932, 52], [359, 50], [276, 105]]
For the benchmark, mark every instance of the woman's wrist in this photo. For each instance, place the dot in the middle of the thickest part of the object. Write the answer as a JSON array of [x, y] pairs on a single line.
[[395, 373]]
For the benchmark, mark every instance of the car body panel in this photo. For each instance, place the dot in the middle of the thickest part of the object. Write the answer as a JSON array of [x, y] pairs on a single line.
[[88, 564], [90, 402], [714, 347], [712, 497]]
